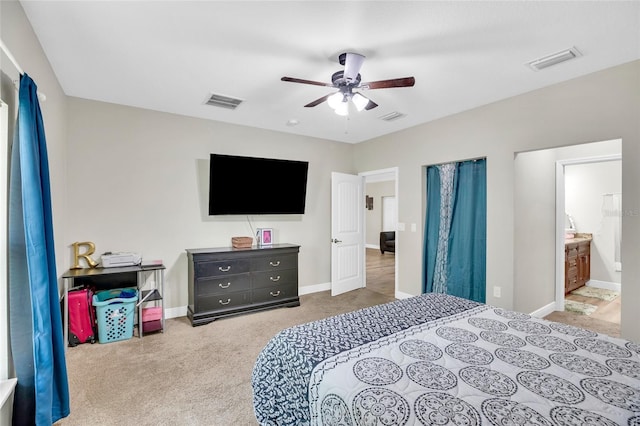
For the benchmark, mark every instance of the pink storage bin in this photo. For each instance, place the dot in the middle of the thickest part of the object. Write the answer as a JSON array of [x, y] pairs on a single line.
[[152, 314]]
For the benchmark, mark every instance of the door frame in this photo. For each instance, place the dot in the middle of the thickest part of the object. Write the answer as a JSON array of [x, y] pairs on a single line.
[[392, 171], [560, 217]]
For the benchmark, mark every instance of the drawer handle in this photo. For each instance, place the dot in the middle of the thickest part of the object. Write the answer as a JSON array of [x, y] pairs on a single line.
[[224, 303], [224, 286], [226, 269], [275, 294], [274, 264], [275, 279]]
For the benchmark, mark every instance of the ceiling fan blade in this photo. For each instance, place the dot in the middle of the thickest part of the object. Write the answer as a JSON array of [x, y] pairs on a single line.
[[318, 101], [352, 64], [362, 102], [370, 105], [299, 80], [386, 84]]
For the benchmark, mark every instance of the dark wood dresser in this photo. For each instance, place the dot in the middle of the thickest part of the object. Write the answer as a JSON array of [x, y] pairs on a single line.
[[226, 281]]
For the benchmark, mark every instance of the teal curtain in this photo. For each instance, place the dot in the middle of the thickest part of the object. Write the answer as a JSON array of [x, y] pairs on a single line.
[[37, 346], [455, 230]]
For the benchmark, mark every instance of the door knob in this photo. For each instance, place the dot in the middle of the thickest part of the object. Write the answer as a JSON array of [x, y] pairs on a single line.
[[335, 240]]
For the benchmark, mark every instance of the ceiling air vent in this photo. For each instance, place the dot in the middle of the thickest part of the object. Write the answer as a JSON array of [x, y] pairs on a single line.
[[392, 116], [223, 101], [554, 59]]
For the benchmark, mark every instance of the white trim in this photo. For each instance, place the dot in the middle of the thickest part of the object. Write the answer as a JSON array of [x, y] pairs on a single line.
[[545, 310], [401, 295], [6, 360], [607, 285], [6, 389], [180, 311], [560, 217], [316, 288], [390, 172]]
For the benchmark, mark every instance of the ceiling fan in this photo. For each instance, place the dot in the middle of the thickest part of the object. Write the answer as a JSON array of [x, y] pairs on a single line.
[[346, 81]]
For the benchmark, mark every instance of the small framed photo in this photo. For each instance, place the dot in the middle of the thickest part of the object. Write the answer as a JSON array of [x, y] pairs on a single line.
[[369, 202], [265, 236]]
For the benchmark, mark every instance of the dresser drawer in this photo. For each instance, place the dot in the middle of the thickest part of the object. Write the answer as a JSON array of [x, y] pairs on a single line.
[[223, 301], [275, 278], [274, 294], [223, 284], [275, 262], [221, 267]]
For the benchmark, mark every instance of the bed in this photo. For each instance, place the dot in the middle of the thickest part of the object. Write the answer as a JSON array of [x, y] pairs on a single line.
[[436, 359]]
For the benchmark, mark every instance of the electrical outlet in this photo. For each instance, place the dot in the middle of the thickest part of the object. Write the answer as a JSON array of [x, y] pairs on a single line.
[[496, 291]]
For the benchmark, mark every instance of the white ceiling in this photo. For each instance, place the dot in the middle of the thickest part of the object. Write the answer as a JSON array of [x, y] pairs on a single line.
[[171, 55]]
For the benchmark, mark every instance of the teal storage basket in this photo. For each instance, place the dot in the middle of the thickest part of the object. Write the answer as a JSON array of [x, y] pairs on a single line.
[[115, 311]]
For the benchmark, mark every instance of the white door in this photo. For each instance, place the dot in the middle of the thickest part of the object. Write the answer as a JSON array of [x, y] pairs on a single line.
[[347, 233]]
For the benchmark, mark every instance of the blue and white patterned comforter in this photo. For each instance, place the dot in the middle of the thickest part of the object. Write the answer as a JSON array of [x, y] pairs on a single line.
[[436, 359]]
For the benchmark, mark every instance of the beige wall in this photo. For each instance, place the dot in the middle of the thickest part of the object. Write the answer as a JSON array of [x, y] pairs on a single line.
[[138, 181], [130, 179], [373, 218], [597, 107], [535, 220], [592, 211]]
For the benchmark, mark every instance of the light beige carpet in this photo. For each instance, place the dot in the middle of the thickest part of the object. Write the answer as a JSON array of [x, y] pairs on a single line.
[[187, 375], [200, 375], [579, 308], [598, 293]]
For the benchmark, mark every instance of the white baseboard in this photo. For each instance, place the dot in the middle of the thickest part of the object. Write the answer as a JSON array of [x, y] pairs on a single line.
[[373, 246], [605, 285], [401, 295], [180, 311], [544, 311], [308, 289]]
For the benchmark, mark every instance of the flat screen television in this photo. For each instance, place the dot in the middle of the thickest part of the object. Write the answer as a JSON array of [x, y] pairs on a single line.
[[250, 185]]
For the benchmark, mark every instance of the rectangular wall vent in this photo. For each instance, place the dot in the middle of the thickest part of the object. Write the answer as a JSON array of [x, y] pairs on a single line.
[[223, 101], [554, 59], [392, 116]]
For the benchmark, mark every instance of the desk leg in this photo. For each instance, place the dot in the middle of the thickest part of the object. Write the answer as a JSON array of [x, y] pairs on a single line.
[[161, 273], [66, 310], [140, 284]]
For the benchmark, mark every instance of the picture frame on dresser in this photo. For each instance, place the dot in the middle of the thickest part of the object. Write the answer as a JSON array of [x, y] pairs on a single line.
[[265, 236]]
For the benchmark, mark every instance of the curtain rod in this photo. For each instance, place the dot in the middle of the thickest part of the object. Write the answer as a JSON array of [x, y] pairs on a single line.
[[7, 52]]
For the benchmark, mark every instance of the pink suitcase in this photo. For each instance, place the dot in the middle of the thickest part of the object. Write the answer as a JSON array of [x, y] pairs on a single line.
[[82, 318]]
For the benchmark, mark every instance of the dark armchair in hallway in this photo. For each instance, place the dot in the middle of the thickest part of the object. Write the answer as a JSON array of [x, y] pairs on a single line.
[[388, 241]]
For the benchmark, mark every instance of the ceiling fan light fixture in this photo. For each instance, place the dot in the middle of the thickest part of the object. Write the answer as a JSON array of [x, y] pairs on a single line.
[[342, 109], [335, 100], [359, 101]]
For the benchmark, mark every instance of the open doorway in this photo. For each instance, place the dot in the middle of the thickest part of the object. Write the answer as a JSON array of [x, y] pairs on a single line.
[[590, 195], [381, 215], [539, 207]]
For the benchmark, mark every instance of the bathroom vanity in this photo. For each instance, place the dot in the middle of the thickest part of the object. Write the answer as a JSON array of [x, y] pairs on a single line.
[[577, 261]]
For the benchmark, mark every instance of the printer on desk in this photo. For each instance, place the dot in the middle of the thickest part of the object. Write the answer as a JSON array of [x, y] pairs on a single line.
[[114, 260]]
